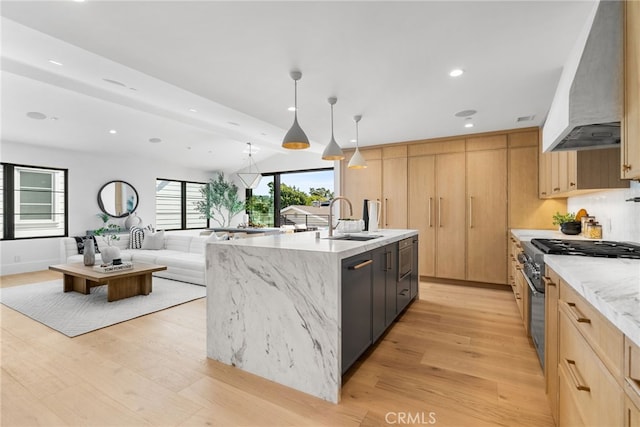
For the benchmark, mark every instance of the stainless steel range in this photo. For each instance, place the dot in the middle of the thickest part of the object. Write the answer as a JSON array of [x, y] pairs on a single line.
[[532, 260]]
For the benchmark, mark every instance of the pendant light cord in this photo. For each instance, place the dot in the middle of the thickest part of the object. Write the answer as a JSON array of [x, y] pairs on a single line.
[[332, 121], [295, 98]]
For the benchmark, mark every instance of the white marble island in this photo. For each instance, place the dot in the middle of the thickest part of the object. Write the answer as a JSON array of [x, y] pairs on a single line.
[[274, 306]]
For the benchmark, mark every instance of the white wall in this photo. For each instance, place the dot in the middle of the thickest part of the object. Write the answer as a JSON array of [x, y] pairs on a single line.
[[620, 219], [87, 173]]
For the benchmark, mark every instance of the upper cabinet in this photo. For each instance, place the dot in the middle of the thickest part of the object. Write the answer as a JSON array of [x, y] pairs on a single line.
[[566, 173], [630, 151]]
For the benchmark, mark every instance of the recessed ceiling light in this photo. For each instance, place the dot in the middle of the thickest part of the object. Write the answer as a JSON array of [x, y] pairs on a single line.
[[193, 110], [54, 118], [465, 113], [352, 140], [54, 62], [113, 131], [36, 115], [456, 72], [155, 140], [291, 109], [468, 125]]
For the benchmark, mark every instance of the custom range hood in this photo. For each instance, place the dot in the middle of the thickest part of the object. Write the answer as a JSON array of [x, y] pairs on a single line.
[[587, 106]]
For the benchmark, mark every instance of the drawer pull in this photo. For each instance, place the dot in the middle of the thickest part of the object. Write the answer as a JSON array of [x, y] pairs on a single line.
[[576, 313], [547, 281], [573, 371], [362, 264]]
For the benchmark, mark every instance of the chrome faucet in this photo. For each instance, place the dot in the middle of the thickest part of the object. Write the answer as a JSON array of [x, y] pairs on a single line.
[[331, 211]]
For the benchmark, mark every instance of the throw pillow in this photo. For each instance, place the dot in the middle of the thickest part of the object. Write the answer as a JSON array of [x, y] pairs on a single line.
[[80, 244], [136, 236], [153, 241]]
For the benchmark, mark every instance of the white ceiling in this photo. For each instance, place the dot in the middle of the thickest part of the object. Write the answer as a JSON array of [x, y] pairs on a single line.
[[388, 61]]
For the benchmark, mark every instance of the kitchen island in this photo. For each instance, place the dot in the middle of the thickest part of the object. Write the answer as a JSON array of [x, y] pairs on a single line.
[[274, 306]]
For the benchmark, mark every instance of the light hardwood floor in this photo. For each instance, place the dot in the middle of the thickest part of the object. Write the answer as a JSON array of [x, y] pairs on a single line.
[[457, 357]]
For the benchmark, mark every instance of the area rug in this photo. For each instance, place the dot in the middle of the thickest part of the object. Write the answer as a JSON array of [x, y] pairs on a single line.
[[73, 313]]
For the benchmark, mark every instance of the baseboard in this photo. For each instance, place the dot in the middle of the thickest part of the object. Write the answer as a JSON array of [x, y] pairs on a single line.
[[27, 267], [440, 280]]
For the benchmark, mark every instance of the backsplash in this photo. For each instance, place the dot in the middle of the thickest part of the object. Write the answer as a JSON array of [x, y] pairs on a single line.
[[620, 219]]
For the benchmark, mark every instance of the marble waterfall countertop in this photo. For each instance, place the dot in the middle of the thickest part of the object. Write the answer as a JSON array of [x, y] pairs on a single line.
[[274, 306], [612, 286]]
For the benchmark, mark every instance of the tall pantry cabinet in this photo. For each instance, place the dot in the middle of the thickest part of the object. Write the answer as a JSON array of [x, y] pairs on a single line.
[[394, 187], [436, 207], [486, 202]]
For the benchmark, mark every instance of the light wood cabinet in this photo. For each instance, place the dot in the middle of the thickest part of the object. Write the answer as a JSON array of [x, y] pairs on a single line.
[[589, 393], [551, 284], [590, 366], [450, 216], [394, 187], [630, 147], [437, 211], [487, 215], [565, 173], [422, 196], [528, 208], [360, 184]]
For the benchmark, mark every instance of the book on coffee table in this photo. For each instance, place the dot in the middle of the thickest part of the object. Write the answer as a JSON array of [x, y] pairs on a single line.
[[127, 265]]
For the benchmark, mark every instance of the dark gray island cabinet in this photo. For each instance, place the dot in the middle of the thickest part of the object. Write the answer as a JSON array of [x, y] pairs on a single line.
[[374, 293], [299, 309]]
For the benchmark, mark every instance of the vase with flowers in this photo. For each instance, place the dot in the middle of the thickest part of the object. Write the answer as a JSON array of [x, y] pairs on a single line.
[[108, 232]]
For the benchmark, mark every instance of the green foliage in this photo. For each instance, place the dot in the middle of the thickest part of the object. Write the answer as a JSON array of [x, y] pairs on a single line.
[[290, 196], [220, 201], [108, 231], [320, 194], [559, 219]]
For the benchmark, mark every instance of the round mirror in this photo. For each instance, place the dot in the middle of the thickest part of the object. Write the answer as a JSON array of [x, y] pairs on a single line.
[[117, 199]]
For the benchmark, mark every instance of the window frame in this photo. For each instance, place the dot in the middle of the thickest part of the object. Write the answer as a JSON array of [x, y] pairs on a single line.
[[11, 206], [276, 189], [183, 204]]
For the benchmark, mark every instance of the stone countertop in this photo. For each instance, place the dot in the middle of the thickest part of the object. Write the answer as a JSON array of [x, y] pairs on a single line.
[[611, 285], [308, 242], [525, 235]]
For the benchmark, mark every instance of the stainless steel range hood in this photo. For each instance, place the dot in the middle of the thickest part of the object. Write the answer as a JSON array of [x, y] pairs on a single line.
[[587, 106]]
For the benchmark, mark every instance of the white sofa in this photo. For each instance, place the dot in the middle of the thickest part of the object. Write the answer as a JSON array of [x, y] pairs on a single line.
[[182, 254]]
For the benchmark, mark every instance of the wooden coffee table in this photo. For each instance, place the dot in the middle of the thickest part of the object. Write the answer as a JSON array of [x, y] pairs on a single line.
[[121, 284]]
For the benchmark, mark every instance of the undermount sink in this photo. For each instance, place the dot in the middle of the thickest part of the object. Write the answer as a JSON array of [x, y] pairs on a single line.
[[357, 237]]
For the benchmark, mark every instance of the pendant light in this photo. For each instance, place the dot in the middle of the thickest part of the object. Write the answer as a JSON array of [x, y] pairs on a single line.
[[332, 151], [250, 179], [295, 139], [357, 161]]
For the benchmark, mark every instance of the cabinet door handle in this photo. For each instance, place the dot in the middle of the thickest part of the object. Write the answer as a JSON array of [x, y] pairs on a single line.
[[386, 212], [544, 193], [430, 202], [403, 292], [547, 281], [576, 313], [626, 168], [556, 189], [439, 211], [362, 264], [572, 184], [575, 376], [470, 212], [388, 261]]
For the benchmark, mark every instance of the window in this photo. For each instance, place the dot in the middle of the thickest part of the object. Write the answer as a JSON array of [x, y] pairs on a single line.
[[176, 205], [34, 202], [292, 198]]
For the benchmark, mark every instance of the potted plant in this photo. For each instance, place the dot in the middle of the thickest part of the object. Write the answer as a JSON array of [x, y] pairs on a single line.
[[567, 223]]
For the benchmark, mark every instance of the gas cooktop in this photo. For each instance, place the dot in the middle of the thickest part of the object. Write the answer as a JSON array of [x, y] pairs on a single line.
[[597, 248]]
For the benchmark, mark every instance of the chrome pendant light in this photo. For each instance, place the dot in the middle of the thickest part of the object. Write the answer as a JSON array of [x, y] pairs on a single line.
[[332, 151], [295, 139], [357, 161], [250, 179]]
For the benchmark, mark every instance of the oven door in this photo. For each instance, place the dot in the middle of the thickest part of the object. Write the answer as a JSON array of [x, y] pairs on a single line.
[[536, 318], [405, 258]]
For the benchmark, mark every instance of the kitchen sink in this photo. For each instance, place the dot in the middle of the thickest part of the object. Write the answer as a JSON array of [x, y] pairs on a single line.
[[356, 237]]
